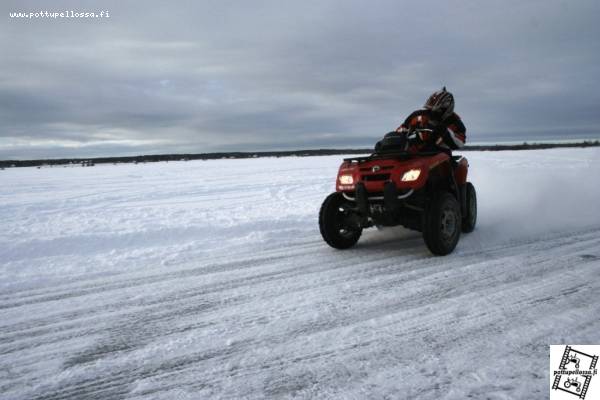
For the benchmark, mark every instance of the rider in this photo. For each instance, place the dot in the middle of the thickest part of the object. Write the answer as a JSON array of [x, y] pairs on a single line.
[[434, 127]]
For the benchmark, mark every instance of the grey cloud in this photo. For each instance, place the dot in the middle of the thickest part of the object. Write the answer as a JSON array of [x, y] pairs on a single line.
[[217, 75]]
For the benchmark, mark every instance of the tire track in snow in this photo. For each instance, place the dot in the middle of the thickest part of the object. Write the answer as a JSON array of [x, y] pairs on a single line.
[[299, 319], [313, 327]]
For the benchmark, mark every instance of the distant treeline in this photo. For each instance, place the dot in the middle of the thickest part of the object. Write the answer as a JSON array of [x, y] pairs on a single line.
[[256, 154]]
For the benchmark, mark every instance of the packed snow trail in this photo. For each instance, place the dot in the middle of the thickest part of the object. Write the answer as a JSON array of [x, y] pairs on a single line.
[[210, 280]]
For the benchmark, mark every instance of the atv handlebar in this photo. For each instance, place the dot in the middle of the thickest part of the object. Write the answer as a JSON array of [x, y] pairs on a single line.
[[393, 154], [395, 144]]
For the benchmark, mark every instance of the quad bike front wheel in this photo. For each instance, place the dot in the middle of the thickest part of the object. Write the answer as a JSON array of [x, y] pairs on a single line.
[[338, 223], [470, 219], [442, 224]]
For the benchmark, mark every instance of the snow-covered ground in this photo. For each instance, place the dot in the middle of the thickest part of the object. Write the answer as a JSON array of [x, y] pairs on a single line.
[[209, 279]]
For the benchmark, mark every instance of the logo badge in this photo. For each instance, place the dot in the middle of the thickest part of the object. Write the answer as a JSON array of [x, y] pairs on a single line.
[[573, 372], [376, 168]]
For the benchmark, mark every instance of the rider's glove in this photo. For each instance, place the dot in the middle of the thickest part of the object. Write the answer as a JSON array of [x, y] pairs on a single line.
[[414, 139]]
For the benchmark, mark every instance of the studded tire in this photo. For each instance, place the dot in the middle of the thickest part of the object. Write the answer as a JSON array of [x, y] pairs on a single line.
[[442, 224], [335, 222], [470, 219]]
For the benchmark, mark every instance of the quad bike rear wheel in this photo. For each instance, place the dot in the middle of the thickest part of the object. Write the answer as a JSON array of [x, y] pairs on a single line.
[[338, 223], [470, 219], [442, 224]]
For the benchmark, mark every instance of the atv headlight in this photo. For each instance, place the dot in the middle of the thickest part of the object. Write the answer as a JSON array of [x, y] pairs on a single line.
[[411, 175], [346, 179]]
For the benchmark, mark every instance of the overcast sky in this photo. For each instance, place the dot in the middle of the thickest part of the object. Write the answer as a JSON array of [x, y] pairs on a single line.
[[204, 76]]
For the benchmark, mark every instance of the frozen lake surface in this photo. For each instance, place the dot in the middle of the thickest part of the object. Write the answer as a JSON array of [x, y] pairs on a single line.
[[209, 279]]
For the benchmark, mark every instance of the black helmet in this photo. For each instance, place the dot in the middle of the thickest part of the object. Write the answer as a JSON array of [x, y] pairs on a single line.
[[441, 103]]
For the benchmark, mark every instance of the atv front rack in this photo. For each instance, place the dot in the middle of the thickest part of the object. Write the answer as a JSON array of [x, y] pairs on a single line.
[[388, 155]]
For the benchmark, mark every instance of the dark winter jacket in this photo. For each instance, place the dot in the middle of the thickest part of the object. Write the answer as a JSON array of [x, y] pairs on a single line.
[[447, 134]]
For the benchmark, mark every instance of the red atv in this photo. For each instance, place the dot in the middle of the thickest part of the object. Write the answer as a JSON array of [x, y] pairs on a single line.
[[426, 191]]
